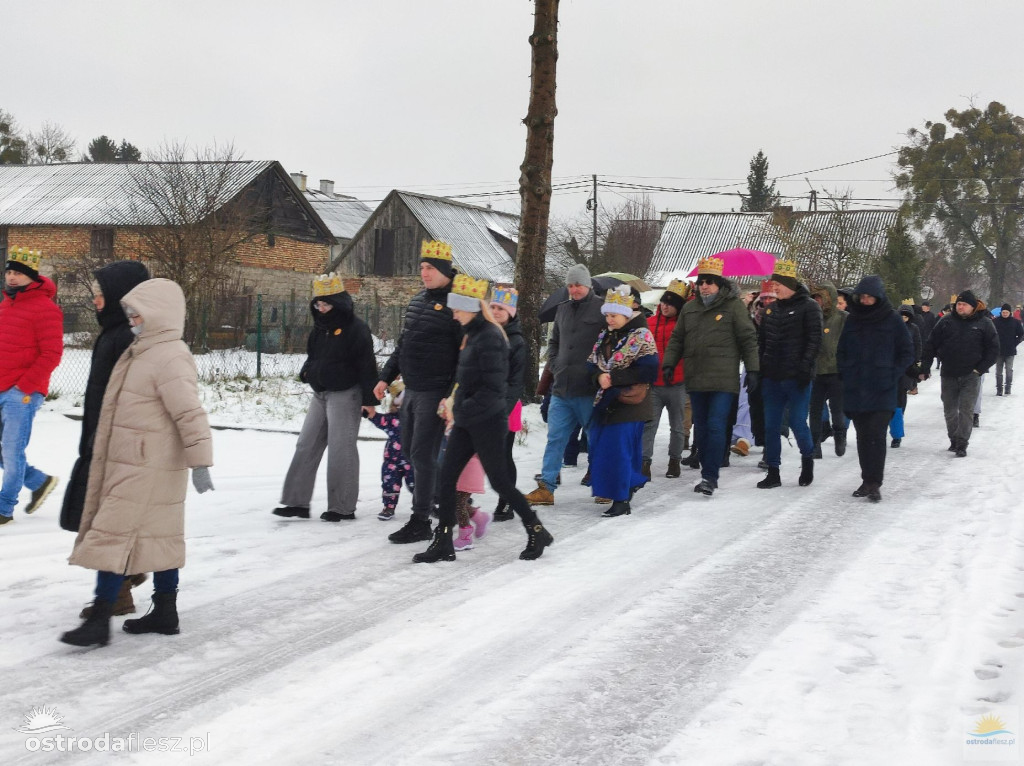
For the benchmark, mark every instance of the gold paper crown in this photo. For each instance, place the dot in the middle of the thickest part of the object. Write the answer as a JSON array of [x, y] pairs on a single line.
[[952, 298], [463, 284], [907, 302], [712, 265], [328, 284], [620, 295], [678, 287], [28, 257], [434, 249], [785, 269]]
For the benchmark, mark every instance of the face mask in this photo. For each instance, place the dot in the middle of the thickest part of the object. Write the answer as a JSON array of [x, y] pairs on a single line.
[[137, 328]]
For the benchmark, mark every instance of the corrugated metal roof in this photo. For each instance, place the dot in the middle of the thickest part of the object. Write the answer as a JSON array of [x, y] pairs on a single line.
[[470, 230], [343, 215], [95, 194], [688, 237]]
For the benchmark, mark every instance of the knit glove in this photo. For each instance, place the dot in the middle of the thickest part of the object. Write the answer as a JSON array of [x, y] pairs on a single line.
[[201, 479]]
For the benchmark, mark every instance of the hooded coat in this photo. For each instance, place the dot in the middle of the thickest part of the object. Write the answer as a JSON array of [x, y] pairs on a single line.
[[31, 336], [712, 340], [339, 351], [116, 280], [790, 337], [833, 319], [873, 352], [151, 430]]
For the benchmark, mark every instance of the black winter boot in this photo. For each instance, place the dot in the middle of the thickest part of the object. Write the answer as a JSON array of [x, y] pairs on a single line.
[[839, 439], [503, 512], [770, 481], [162, 618], [706, 487], [645, 469], [674, 469], [416, 530], [873, 493], [895, 443], [619, 508], [692, 460], [442, 548], [292, 512], [861, 491], [806, 471], [961, 448], [817, 451], [977, 420], [537, 539], [999, 390], [95, 631]]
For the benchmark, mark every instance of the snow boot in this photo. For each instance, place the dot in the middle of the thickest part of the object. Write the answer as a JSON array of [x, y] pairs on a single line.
[[39, 495], [770, 481], [806, 471], [480, 519], [619, 508], [741, 447], [541, 496], [292, 512], [416, 529], [674, 469], [464, 541], [692, 460], [839, 440], [442, 548], [162, 618], [952, 446], [706, 487], [95, 631], [537, 539], [124, 604], [645, 469], [503, 512], [895, 443]]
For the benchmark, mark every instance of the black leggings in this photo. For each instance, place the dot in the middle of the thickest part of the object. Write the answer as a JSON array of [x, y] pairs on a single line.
[[479, 439], [871, 446]]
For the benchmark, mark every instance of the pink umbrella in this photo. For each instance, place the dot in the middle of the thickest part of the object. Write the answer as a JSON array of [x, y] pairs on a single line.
[[741, 262]]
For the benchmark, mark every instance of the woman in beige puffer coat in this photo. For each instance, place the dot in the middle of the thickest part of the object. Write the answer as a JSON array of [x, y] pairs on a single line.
[[152, 429]]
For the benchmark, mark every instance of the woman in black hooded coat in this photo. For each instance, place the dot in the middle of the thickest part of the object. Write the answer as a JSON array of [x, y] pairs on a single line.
[[115, 281]]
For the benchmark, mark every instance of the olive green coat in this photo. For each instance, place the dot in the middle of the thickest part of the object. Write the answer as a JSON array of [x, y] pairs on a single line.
[[834, 319], [712, 341]]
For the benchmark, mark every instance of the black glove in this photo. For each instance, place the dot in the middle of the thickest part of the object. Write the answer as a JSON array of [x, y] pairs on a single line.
[[666, 374], [753, 381], [544, 406]]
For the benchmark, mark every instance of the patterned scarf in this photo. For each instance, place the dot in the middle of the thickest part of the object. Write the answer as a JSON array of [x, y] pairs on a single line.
[[631, 346]]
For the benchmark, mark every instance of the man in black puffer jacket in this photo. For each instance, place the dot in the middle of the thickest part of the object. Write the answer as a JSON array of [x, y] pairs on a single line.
[[426, 357], [966, 343], [1010, 333], [341, 369], [788, 344]]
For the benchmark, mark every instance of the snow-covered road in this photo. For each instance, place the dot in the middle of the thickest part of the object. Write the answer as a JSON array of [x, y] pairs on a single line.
[[789, 626]]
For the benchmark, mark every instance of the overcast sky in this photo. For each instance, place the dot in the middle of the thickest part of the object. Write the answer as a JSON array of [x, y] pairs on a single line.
[[428, 95]]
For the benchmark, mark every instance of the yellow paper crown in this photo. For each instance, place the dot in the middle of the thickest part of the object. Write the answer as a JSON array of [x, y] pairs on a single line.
[[434, 249], [678, 287], [328, 284], [712, 265], [620, 295], [28, 257], [907, 302], [506, 295], [785, 269], [463, 284]]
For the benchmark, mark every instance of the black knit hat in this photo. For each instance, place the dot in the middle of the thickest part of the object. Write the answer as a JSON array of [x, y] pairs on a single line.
[[1006, 307], [675, 300], [967, 297]]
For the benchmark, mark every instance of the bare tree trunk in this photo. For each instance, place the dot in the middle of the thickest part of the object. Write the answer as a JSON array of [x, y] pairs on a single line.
[[535, 180]]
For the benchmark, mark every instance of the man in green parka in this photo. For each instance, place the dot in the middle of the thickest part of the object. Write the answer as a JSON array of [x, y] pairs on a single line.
[[827, 387], [713, 335]]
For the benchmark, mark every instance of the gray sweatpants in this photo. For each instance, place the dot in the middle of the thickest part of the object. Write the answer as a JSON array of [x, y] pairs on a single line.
[[958, 398], [674, 399], [332, 423]]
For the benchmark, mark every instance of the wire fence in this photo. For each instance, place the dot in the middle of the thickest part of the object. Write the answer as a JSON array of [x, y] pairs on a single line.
[[246, 337]]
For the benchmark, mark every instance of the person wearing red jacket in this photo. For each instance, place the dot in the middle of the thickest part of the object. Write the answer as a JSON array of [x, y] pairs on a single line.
[[32, 339], [667, 394]]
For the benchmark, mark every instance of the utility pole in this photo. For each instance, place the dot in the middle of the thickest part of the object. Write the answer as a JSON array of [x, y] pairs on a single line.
[[592, 205], [813, 206]]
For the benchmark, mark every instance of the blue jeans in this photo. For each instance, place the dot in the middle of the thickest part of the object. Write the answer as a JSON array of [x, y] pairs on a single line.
[[710, 422], [777, 394], [108, 583], [17, 411], [564, 415]]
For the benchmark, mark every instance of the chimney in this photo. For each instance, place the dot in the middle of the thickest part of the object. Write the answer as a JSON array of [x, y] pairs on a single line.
[[299, 179], [327, 187]]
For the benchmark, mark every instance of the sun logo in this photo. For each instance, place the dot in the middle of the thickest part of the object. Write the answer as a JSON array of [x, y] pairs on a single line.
[[40, 720], [989, 725]]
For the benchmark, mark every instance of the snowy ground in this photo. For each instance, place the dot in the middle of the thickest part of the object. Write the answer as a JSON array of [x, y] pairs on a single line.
[[786, 627]]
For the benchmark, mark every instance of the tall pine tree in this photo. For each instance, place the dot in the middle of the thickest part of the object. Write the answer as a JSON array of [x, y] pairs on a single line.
[[900, 265], [761, 195]]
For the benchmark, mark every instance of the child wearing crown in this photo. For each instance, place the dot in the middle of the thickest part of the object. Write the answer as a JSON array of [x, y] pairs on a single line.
[[624, 364], [479, 422], [341, 369]]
